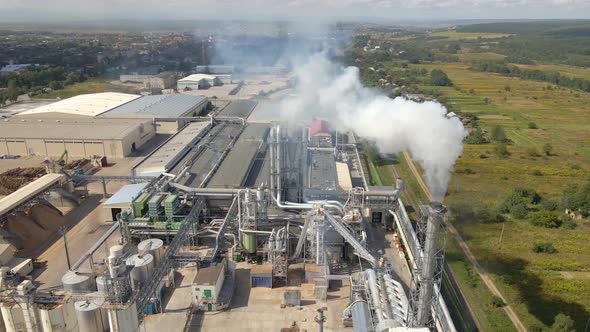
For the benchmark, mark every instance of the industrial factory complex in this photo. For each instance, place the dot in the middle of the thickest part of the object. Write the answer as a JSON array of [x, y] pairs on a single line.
[[225, 224]]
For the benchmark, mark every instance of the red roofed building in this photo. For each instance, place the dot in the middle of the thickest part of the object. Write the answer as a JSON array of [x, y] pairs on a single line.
[[320, 134], [319, 127]]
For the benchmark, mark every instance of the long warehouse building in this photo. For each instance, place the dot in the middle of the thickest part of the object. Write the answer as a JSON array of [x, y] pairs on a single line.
[[113, 138]]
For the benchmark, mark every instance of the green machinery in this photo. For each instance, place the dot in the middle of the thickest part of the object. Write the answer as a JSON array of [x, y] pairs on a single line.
[[170, 204], [154, 205], [139, 204], [249, 242], [148, 212]]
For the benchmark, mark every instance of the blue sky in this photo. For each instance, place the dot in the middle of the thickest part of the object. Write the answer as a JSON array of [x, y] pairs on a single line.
[[295, 9]]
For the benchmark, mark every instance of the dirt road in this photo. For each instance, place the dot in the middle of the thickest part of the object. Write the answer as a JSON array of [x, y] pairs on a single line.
[[480, 270]]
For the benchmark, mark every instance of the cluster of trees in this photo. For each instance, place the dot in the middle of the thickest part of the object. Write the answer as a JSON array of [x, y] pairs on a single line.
[[527, 204], [553, 77], [576, 197], [35, 80], [440, 78]]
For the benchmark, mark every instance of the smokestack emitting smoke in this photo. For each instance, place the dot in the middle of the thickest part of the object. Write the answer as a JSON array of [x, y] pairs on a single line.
[[326, 90]]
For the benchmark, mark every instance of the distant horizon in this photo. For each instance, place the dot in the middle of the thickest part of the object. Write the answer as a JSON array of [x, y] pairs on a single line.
[[35, 11]]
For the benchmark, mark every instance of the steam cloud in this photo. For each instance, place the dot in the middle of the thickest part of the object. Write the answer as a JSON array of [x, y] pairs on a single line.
[[328, 91]]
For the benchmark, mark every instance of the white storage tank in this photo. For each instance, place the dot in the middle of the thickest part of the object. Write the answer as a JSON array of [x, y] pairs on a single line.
[[142, 267], [117, 250], [102, 284], [125, 319], [58, 318], [89, 316], [78, 283], [155, 247]]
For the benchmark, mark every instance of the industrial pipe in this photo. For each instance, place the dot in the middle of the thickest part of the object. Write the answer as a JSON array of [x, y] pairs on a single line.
[[374, 290]]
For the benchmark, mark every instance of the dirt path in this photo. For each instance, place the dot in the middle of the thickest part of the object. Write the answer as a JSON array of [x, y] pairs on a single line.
[[480, 270]]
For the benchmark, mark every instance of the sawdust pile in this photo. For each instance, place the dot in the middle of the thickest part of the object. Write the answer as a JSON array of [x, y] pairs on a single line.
[[35, 227], [15, 178]]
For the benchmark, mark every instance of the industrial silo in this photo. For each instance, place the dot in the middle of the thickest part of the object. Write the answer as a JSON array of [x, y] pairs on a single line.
[[155, 247], [89, 316], [142, 267], [77, 283], [102, 284], [58, 318]]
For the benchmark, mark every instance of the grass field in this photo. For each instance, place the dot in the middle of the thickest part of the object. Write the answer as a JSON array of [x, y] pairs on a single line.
[[539, 286], [454, 35], [90, 86], [570, 71]]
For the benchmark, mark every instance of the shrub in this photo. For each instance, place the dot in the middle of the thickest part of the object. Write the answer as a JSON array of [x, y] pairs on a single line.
[[548, 149], [549, 205], [502, 151], [533, 125], [563, 323], [483, 156], [545, 219], [567, 222], [498, 134], [532, 152], [519, 211], [497, 301], [544, 247]]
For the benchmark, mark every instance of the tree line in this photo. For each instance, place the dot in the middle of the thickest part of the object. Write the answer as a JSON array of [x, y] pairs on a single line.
[[34, 81], [533, 74]]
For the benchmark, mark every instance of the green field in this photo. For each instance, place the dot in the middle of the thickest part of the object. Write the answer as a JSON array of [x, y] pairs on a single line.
[[533, 283], [454, 35], [90, 86]]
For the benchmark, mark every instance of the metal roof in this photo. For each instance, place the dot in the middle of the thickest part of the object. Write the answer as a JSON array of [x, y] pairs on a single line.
[[127, 194], [23, 194], [239, 160], [199, 77], [208, 276], [87, 105], [171, 105], [69, 128], [167, 155], [239, 108]]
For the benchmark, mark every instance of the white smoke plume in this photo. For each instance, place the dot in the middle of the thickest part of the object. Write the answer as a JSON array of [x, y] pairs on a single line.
[[328, 91]]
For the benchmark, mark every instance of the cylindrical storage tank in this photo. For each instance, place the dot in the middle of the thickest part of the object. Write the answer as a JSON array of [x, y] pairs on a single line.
[[116, 250], [78, 283], [126, 319], [89, 316], [58, 318], [155, 247], [142, 267], [249, 242], [102, 284]]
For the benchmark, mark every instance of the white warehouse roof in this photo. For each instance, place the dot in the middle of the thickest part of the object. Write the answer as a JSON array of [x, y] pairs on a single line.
[[199, 77], [86, 105]]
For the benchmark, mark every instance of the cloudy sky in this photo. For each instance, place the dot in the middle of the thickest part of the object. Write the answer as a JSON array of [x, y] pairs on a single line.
[[294, 9]]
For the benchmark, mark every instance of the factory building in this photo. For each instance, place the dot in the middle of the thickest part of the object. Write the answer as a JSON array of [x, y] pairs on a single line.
[[202, 81], [51, 136], [163, 80], [207, 286], [215, 69], [88, 105], [163, 109], [168, 154]]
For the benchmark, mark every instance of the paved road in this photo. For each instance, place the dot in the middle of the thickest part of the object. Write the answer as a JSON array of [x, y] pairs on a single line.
[[480, 270]]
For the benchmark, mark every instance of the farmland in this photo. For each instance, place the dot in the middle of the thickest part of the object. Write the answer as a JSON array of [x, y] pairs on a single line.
[[533, 115]]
